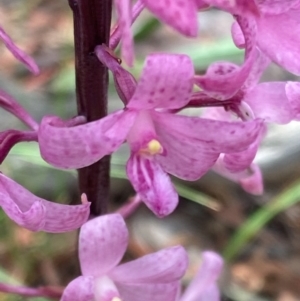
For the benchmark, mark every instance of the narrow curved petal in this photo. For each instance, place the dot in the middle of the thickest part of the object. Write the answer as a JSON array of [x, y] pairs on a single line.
[[182, 15], [164, 266], [222, 79], [83, 145], [8, 103], [148, 291], [205, 281], [292, 90], [236, 162], [220, 136], [152, 184], [250, 179], [237, 35], [37, 214], [18, 53], [269, 102], [124, 21], [33, 218], [166, 82], [10, 138], [125, 83], [102, 244], [281, 43], [80, 289]]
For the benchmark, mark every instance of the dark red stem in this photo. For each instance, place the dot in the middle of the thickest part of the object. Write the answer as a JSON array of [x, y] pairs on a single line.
[[92, 19]]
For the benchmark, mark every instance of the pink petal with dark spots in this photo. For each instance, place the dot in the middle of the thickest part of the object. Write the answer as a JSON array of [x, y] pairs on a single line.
[[37, 214], [83, 145], [180, 14], [166, 82], [281, 43], [102, 244], [152, 184], [269, 102], [164, 266]]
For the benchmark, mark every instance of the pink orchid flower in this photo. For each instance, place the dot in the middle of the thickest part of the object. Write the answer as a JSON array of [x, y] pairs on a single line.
[[280, 43], [18, 53], [204, 286], [160, 142], [102, 244], [181, 15], [36, 214]]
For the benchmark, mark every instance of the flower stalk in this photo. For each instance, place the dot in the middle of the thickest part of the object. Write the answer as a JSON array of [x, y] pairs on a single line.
[[92, 21]]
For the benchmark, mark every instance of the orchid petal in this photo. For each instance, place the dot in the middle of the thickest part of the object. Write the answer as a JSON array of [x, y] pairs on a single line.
[[8, 103], [164, 266], [219, 136], [258, 67], [125, 83], [80, 289], [292, 90], [166, 82], [184, 157], [37, 214], [223, 79], [237, 35], [205, 280], [148, 291], [83, 145], [253, 182], [105, 289], [251, 179], [10, 138], [281, 44], [124, 21], [182, 15], [18, 53], [102, 244], [276, 7], [152, 184], [237, 7], [269, 102], [239, 161]]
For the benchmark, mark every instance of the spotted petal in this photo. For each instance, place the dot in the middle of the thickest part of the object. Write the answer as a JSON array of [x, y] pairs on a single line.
[[182, 15], [82, 145], [152, 184], [281, 43], [269, 102], [37, 214], [166, 82], [102, 244], [163, 266]]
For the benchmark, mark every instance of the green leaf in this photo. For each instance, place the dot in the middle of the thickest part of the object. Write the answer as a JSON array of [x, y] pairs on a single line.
[[260, 218]]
